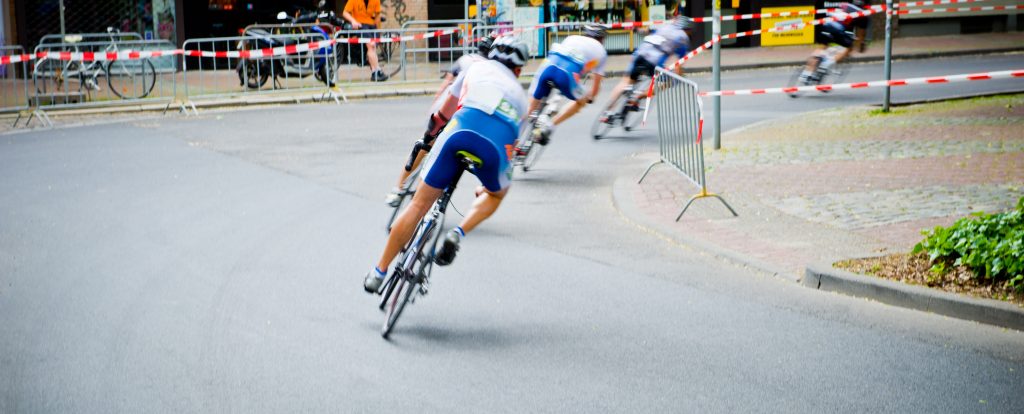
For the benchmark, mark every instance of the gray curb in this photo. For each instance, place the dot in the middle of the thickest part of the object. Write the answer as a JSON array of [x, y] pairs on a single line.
[[988, 311]]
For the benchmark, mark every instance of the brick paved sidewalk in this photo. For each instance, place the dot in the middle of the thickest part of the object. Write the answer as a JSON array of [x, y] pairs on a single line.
[[807, 197]]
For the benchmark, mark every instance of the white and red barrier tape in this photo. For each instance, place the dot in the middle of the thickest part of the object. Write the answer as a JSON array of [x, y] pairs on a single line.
[[1006, 74], [962, 9], [243, 54], [129, 55]]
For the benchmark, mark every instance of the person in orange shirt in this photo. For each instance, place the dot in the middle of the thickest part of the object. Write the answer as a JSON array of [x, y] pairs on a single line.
[[365, 15]]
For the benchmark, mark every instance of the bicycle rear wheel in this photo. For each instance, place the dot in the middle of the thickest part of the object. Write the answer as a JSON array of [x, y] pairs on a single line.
[[601, 128], [131, 79], [835, 75]]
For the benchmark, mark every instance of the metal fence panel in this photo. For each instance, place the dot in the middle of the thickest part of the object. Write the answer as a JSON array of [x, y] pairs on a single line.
[[14, 95], [680, 142], [219, 71], [75, 83]]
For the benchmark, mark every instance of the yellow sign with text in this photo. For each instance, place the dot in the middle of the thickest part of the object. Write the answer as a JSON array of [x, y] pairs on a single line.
[[803, 36]]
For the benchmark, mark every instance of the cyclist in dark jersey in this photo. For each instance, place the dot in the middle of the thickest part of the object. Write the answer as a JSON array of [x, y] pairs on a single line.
[[845, 31]]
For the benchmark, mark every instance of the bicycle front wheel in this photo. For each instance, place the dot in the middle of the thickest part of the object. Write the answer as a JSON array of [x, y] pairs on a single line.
[[401, 294], [794, 81], [131, 79], [54, 77], [408, 190], [601, 127]]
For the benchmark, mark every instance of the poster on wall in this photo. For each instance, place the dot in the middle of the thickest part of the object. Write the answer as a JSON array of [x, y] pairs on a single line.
[[529, 16], [804, 36]]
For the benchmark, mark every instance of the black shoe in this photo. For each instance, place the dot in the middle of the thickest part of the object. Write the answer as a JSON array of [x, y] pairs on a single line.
[[446, 255], [378, 76]]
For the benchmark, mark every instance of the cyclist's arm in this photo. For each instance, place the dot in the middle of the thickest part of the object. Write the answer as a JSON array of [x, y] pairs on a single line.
[[448, 79]]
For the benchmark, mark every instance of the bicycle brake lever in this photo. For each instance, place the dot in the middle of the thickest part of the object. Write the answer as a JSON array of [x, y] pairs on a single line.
[[420, 145]]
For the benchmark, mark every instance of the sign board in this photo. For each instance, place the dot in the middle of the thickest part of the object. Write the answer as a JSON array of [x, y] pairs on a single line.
[[804, 36]]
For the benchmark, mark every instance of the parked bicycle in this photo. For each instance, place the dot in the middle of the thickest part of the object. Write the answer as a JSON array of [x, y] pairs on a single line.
[[128, 79], [416, 261], [531, 143], [822, 75], [628, 112]]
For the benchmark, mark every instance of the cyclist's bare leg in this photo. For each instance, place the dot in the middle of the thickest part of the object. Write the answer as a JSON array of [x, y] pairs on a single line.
[[484, 206], [845, 53], [534, 105], [575, 107], [571, 110], [812, 62], [405, 224]]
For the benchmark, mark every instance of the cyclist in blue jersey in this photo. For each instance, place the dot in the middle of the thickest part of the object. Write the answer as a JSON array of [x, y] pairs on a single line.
[[567, 65], [486, 109], [653, 52]]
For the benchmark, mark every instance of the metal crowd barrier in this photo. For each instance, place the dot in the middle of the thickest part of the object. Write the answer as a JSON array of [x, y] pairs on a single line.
[[679, 132], [221, 77], [14, 95], [65, 84], [55, 38]]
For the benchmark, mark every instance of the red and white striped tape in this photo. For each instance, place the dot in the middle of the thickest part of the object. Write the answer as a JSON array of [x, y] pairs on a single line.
[[1006, 74], [128, 55], [962, 9], [243, 54]]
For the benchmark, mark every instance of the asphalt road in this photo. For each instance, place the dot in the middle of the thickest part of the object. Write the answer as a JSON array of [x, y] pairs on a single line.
[[214, 264]]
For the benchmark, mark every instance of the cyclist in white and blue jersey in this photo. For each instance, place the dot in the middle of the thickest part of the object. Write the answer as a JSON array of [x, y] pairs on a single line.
[[653, 52], [486, 109], [566, 66], [394, 198]]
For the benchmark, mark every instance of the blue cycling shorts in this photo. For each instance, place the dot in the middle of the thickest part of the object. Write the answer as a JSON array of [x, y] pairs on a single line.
[[488, 137], [558, 70]]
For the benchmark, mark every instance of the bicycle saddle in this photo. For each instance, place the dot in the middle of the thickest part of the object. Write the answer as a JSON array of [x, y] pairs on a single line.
[[469, 160], [73, 38]]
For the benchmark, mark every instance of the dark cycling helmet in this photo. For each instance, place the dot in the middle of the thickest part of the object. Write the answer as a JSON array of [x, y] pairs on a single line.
[[484, 45], [683, 23], [510, 51], [595, 31]]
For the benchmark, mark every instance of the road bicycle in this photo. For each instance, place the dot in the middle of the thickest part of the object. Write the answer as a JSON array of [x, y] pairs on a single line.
[[528, 148], [410, 276], [627, 112], [128, 79], [821, 76]]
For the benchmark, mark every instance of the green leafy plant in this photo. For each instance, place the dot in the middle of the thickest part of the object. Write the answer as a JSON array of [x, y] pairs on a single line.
[[991, 245]]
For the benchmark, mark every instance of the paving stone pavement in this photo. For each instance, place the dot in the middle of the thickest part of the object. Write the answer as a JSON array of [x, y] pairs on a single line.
[[805, 197]]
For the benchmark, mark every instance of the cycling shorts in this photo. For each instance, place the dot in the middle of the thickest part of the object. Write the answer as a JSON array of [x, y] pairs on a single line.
[[640, 66], [562, 73], [835, 32], [485, 136]]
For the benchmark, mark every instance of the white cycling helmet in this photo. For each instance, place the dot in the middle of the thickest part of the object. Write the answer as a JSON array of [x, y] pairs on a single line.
[[510, 51]]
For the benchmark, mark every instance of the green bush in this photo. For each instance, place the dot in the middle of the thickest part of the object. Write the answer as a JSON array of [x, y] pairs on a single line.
[[992, 245]]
